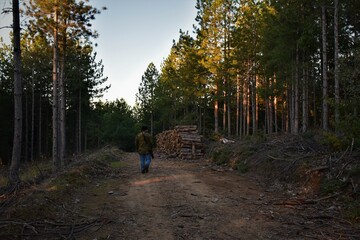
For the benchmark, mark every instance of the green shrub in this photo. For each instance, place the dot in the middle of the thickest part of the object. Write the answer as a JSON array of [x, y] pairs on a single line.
[[333, 141], [352, 210], [242, 167], [221, 156], [330, 186]]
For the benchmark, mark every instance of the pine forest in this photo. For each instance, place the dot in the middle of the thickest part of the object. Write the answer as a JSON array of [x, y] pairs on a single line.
[[249, 67]]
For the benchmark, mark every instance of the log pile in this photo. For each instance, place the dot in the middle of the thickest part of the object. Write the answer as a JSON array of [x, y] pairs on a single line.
[[184, 141]]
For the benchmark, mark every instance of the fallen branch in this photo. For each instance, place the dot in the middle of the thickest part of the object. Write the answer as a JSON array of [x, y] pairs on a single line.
[[342, 155], [321, 199], [321, 168], [275, 158]]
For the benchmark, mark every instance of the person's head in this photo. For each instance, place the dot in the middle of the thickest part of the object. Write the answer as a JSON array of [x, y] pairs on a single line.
[[144, 128]]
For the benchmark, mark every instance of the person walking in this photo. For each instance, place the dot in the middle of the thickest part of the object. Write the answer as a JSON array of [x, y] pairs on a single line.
[[144, 147]]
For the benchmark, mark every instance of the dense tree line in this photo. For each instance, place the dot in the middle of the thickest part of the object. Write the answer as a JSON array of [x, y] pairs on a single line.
[[262, 66], [251, 66], [60, 83]]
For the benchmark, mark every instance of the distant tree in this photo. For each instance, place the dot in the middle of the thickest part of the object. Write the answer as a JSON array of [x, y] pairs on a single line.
[[112, 123], [146, 95], [210, 37], [181, 96], [84, 84]]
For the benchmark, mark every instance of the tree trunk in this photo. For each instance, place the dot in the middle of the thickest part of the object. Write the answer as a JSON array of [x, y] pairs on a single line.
[[79, 144], [216, 112], [324, 71], [291, 106], [266, 120], [275, 108], [224, 107], [296, 97], [288, 107], [305, 99], [247, 109], [237, 104], [152, 122], [229, 116], [271, 117], [253, 104], [26, 130], [275, 115], [40, 125], [16, 151], [62, 105], [55, 104], [32, 117], [336, 63]]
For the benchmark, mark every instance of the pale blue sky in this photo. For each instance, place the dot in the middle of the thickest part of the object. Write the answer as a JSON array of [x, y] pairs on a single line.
[[134, 33]]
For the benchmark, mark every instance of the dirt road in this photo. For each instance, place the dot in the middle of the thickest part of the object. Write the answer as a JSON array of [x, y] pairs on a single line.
[[176, 200], [183, 200], [104, 196]]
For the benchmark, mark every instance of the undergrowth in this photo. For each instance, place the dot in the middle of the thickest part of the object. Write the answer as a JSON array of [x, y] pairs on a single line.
[[61, 186], [316, 164]]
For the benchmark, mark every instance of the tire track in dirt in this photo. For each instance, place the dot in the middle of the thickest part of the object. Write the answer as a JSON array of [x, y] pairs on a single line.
[[181, 200]]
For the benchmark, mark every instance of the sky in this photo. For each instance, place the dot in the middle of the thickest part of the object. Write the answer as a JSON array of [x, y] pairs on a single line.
[[132, 34]]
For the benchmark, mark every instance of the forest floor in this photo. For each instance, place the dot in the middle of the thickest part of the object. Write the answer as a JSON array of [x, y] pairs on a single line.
[[104, 196]]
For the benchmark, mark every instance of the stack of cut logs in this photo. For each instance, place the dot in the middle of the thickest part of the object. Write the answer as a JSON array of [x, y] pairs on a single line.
[[184, 141]]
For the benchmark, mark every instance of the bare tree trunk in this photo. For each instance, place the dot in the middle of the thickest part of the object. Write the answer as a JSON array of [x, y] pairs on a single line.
[[296, 97], [247, 109], [85, 139], [291, 105], [266, 103], [305, 100], [32, 117], [16, 151], [26, 144], [324, 71], [224, 108], [198, 111], [275, 115], [79, 144], [283, 116], [229, 116], [336, 63], [55, 106], [241, 110], [40, 124], [62, 105], [216, 112], [253, 104], [152, 122], [237, 104], [257, 97], [314, 101], [275, 108], [271, 117]]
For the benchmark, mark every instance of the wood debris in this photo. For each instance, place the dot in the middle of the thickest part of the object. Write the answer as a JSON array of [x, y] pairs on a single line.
[[183, 141]]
